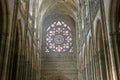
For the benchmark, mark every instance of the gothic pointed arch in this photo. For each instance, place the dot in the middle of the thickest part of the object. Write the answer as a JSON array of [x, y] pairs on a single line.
[[58, 31], [61, 6], [58, 43]]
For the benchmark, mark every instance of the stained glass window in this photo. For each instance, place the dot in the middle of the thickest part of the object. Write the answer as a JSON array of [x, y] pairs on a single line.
[[58, 37]]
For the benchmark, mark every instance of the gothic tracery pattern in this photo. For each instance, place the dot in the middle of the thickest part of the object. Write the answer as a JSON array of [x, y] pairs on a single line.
[[58, 37]]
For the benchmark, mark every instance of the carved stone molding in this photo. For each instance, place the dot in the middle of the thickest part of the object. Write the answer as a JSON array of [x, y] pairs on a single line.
[[94, 6]]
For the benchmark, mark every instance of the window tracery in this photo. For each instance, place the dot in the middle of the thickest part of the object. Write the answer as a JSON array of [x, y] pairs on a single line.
[[59, 37]]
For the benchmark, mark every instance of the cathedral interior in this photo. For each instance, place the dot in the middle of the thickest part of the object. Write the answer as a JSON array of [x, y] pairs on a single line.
[[59, 39]]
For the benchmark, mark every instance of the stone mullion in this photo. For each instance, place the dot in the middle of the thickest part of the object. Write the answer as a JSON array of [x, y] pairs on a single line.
[[93, 71], [92, 43], [25, 41], [33, 39], [89, 62], [92, 65], [100, 65], [93, 59], [103, 65], [85, 35], [77, 42], [86, 64], [90, 71], [27, 56], [12, 51], [93, 47], [12, 43], [86, 61], [37, 41], [97, 67], [94, 68], [82, 65]]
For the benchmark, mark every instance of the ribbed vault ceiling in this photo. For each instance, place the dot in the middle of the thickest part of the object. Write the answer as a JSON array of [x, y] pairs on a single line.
[[67, 7]]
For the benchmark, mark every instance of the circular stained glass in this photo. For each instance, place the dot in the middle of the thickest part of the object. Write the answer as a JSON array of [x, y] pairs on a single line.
[[59, 37]]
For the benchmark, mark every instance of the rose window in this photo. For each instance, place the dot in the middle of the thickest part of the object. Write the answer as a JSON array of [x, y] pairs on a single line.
[[58, 37]]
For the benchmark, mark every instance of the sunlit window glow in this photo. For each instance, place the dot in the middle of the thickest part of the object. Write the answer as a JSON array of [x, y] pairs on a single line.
[[58, 37]]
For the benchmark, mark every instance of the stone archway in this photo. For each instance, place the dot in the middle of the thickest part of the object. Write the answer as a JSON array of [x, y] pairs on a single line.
[[56, 60]]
